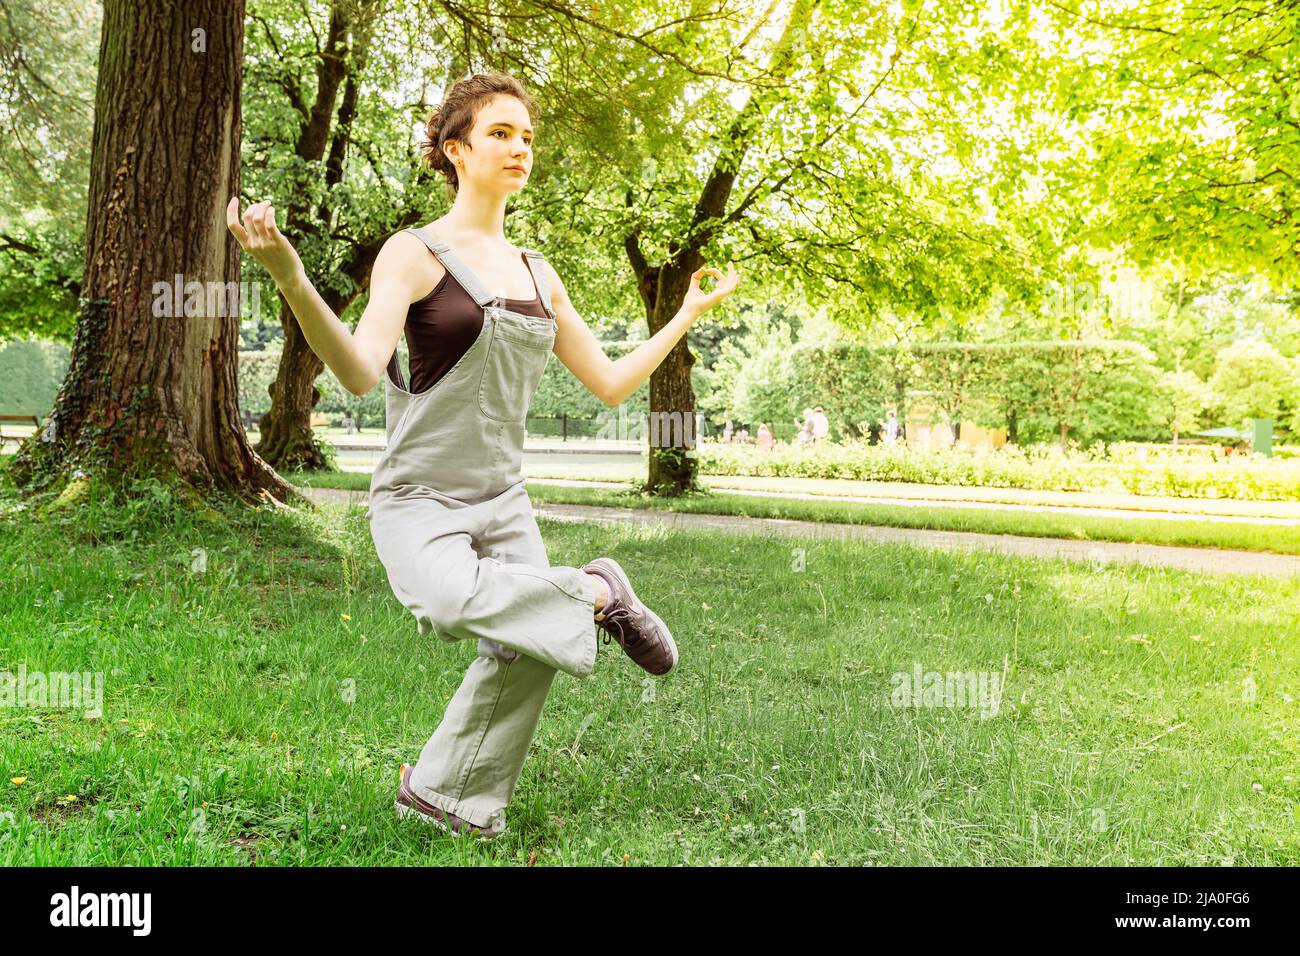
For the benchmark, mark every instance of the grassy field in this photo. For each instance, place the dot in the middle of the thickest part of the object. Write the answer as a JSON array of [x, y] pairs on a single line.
[[257, 706], [1280, 539]]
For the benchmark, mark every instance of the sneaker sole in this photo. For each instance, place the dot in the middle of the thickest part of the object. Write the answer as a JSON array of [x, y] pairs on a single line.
[[672, 645], [404, 811]]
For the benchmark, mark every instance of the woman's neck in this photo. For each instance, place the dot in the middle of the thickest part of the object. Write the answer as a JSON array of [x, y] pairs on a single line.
[[478, 215]]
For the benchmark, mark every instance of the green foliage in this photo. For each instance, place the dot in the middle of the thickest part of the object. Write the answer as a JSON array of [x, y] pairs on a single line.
[[256, 373], [1253, 380], [854, 384], [1087, 391], [752, 377], [39, 272], [1042, 469], [366, 410], [1193, 124], [1184, 397], [30, 375], [1193, 321], [47, 81]]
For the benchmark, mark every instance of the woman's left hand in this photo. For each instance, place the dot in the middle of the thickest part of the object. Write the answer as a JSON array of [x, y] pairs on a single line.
[[699, 301]]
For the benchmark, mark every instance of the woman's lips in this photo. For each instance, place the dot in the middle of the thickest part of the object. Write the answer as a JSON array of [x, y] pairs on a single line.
[[517, 169]]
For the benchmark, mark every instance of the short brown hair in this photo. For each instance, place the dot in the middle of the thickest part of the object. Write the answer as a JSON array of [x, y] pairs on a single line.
[[454, 118]]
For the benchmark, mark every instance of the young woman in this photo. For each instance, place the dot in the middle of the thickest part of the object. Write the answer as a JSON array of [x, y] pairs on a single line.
[[449, 516]]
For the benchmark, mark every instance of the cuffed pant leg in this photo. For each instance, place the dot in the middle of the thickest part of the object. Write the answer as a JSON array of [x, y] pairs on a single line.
[[472, 762]]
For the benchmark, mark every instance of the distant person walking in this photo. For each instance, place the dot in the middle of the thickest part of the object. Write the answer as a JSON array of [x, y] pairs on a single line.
[[765, 439], [893, 428], [821, 426]]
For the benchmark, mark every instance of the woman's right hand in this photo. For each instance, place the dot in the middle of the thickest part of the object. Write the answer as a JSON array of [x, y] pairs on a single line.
[[260, 238]]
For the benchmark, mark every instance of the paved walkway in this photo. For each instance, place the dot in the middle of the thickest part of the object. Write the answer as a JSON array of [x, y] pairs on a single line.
[[1209, 560], [1086, 510]]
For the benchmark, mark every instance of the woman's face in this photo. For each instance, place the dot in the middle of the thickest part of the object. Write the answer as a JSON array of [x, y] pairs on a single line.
[[501, 158]]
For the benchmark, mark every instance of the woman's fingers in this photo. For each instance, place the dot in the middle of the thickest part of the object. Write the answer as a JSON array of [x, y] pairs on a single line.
[[258, 227], [232, 221], [255, 219], [723, 285], [256, 215], [701, 273], [726, 283]]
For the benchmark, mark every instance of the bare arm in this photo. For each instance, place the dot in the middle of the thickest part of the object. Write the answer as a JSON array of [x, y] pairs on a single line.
[[356, 358], [613, 381]]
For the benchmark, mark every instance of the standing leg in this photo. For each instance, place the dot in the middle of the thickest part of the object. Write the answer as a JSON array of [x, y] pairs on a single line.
[[472, 762]]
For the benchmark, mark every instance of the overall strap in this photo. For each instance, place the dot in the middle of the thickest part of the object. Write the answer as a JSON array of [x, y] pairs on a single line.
[[451, 262], [540, 279]]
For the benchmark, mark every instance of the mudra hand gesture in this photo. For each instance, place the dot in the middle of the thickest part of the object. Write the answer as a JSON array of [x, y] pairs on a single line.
[[262, 240], [699, 301]]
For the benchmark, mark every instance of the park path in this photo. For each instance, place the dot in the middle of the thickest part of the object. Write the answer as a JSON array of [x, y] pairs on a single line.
[[1288, 512], [1206, 560]]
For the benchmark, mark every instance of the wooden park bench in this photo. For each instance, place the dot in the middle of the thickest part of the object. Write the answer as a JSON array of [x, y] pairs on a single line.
[[16, 439]]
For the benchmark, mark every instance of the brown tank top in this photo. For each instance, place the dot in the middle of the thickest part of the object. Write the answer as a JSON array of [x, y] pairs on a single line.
[[441, 327]]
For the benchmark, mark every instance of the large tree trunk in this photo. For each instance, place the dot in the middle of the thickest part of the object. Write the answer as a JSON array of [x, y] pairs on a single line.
[[671, 429], [151, 389]]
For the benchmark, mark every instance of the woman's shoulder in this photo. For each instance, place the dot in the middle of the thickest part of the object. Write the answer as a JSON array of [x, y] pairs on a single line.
[[408, 244], [406, 254]]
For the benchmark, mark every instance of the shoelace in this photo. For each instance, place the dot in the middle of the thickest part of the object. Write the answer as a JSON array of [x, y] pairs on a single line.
[[619, 617]]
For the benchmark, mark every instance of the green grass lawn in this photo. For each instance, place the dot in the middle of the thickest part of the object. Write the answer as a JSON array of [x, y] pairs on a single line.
[[1280, 539], [257, 710]]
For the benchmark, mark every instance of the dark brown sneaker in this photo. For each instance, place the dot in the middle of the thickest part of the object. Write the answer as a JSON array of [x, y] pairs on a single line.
[[638, 630], [408, 804]]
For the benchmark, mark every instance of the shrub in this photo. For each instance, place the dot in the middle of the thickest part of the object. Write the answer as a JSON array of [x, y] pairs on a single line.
[[1043, 469]]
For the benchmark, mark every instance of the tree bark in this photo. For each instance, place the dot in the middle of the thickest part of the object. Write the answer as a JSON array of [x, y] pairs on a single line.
[[151, 388], [671, 431]]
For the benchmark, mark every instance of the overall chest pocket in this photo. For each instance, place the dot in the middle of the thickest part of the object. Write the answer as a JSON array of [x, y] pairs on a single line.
[[515, 361]]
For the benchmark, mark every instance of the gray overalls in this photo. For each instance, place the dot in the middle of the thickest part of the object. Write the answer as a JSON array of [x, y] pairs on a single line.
[[455, 531]]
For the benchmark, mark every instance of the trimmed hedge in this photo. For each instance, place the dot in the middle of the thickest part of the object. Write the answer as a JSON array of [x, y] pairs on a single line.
[[1243, 477]]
